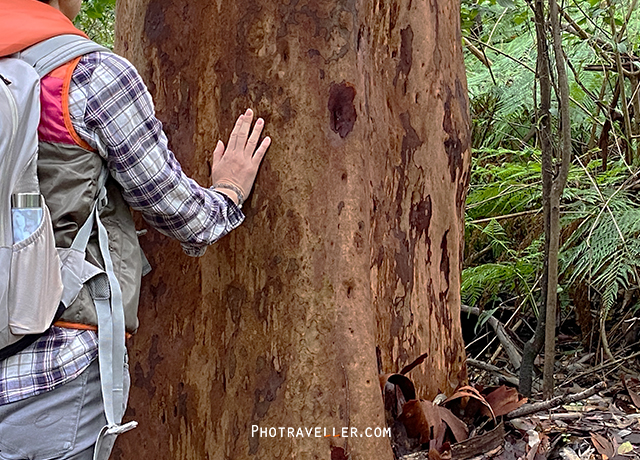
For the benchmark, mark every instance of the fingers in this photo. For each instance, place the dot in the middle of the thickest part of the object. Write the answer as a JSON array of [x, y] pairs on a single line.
[[243, 133], [233, 139], [266, 142], [255, 136], [218, 152]]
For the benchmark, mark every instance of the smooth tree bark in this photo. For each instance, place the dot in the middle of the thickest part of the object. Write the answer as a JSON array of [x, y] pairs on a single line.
[[348, 263]]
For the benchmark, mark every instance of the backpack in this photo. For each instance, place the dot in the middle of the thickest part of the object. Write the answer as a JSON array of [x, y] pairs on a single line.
[[37, 280]]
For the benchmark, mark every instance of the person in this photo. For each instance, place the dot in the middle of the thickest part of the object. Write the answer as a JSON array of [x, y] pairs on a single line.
[[96, 111]]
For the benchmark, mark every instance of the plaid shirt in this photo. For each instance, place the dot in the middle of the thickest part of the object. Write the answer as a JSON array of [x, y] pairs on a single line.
[[110, 107]]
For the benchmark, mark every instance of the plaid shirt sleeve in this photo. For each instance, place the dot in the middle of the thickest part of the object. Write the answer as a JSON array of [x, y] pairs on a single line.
[[111, 108]]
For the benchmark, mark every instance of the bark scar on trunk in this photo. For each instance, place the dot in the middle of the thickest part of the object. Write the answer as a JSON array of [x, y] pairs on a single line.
[[406, 54], [342, 111]]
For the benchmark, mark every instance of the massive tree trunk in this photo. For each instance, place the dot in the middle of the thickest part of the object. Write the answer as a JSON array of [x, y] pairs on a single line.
[[348, 263]]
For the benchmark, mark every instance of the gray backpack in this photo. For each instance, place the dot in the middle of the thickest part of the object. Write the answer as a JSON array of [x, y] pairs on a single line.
[[37, 280]]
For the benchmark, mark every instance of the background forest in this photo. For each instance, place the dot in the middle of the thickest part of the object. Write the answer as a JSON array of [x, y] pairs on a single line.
[[599, 256], [598, 259]]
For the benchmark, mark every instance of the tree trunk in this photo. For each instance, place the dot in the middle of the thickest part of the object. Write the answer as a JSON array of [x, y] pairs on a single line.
[[349, 261]]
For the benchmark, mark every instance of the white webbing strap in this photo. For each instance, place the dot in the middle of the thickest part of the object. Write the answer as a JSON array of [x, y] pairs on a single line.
[[107, 298], [53, 52], [111, 341]]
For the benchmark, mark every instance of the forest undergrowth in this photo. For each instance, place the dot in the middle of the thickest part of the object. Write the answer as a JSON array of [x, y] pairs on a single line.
[[599, 257]]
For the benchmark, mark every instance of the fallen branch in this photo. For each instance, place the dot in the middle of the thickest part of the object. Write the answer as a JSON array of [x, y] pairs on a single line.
[[504, 374], [601, 366], [529, 409], [512, 350]]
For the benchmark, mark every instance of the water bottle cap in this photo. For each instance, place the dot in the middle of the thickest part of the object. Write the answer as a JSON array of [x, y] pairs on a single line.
[[25, 200]]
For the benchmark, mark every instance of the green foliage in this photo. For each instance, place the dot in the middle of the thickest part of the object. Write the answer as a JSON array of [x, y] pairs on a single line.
[[502, 95], [600, 222], [97, 20], [504, 182], [600, 214], [603, 252]]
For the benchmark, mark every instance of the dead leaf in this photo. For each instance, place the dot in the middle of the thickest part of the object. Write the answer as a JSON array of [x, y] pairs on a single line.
[[522, 424], [416, 362], [470, 392], [396, 390], [432, 415], [635, 398], [603, 446], [533, 443], [504, 399], [405, 384], [415, 420], [567, 453], [457, 426]]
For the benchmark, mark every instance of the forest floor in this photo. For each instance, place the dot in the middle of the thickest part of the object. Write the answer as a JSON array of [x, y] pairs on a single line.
[[605, 426], [595, 413]]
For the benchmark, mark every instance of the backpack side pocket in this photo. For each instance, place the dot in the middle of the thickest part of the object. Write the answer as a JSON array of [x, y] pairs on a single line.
[[35, 282]]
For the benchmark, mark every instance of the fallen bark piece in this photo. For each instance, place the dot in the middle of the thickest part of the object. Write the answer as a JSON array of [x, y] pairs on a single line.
[[555, 402], [472, 447], [478, 444]]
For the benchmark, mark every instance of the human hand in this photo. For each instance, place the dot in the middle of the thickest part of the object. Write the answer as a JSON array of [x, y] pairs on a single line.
[[233, 171]]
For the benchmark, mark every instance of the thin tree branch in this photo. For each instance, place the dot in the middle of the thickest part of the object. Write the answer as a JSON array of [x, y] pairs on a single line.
[[529, 409], [476, 52], [625, 108], [512, 350], [506, 216], [557, 187], [502, 373]]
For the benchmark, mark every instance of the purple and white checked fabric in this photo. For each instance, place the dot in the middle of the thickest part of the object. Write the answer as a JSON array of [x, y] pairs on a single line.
[[113, 112]]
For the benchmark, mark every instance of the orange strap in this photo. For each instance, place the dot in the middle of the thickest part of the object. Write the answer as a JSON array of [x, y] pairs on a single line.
[[69, 68], [83, 327]]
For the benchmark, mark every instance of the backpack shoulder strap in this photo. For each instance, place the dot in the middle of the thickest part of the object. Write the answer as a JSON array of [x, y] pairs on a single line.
[[52, 53]]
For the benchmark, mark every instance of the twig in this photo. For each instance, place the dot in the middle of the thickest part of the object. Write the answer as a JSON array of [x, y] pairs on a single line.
[[587, 91], [505, 54], [477, 53], [529, 409], [623, 28], [512, 350], [506, 216], [503, 373], [625, 108], [499, 349], [477, 255], [602, 366]]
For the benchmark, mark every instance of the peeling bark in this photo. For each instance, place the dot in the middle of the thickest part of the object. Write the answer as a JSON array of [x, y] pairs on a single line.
[[349, 261]]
